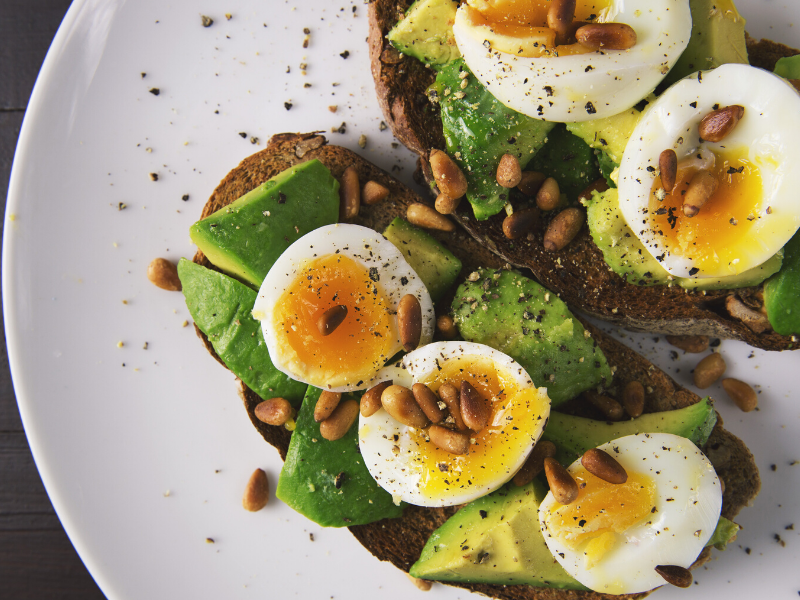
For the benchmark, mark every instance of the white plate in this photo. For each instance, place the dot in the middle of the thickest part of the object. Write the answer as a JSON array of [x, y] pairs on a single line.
[[139, 436]]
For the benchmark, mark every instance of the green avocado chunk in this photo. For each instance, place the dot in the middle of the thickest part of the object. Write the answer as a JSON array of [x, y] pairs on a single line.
[[724, 534], [246, 237], [495, 539], [220, 306], [327, 481], [575, 435], [479, 130], [426, 32], [788, 67], [516, 315], [435, 264], [566, 158], [782, 291]]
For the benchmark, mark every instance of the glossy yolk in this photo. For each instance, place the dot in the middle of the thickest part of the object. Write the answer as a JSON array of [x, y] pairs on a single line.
[[515, 422], [363, 342], [713, 238]]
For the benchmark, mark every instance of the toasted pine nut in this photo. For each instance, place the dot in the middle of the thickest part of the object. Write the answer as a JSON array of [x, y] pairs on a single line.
[[331, 319], [475, 409], [446, 205], [446, 327], [373, 192], [563, 486], [349, 194], [256, 492], [601, 464], [428, 401], [275, 411], [338, 424], [716, 125], [371, 400], [675, 575], [520, 222], [755, 320], [668, 168], [563, 229], [560, 16], [633, 398], [452, 399], [454, 442], [164, 274], [709, 370], [422, 584], [423, 215], [531, 182], [611, 409], [409, 321], [509, 173], [606, 36], [693, 344], [535, 462], [701, 188], [326, 404], [448, 175], [401, 404], [549, 196], [741, 393], [598, 185]]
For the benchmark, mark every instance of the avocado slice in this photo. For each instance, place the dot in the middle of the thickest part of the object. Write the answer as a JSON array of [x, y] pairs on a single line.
[[788, 67], [426, 32], [246, 237], [327, 481], [435, 264], [220, 307], [782, 291]]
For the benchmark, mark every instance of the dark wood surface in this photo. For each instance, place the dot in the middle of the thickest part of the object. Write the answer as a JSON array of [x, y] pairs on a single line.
[[37, 560]]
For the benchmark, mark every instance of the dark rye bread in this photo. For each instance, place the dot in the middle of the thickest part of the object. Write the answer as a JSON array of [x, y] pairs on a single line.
[[400, 541], [578, 272]]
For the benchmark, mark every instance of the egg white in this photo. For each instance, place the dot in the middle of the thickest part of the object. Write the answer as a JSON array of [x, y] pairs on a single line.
[[369, 249], [585, 86], [687, 508], [764, 134]]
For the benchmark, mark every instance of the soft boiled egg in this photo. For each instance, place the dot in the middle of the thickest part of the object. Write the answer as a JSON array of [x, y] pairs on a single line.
[[508, 47], [413, 469], [338, 266], [754, 210], [613, 536]]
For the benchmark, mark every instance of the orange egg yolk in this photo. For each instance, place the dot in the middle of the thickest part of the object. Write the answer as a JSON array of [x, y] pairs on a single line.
[[515, 423], [359, 346], [713, 238]]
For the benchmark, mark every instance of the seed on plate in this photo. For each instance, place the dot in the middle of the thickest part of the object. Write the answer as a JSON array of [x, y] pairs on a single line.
[[256, 492], [409, 322], [563, 486], [274, 411], [694, 344], [601, 464], [349, 194], [446, 205], [549, 195], [452, 399], [674, 575], [454, 442], [716, 125], [446, 327], [633, 398], [164, 274], [371, 400], [606, 36], [338, 424], [520, 222], [668, 168], [709, 370], [509, 173], [428, 401], [326, 404], [611, 409], [560, 16], [563, 229], [400, 403], [331, 319], [448, 175], [535, 462], [742, 394], [701, 188], [475, 410], [373, 192], [531, 182], [422, 584]]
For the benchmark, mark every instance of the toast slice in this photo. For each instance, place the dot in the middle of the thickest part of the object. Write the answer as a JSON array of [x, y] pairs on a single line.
[[400, 541], [578, 272]]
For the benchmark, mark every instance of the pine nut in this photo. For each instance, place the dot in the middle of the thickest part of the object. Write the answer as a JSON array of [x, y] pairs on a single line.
[[446, 327], [331, 319], [531, 182], [448, 175], [275, 411], [668, 168], [326, 404], [164, 274], [349, 194], [509, 173], [563, 486], [701, 188], [598, 185], [454, 442], [549, 195], [675, 575], [409, 321], [611, 409], [424, 216], [755, 320], [256, 492], [741, 393], [716, 125], [400, 403], [520, 222], [452, 399], [422, 584], [601, 464], [373, 192], [693, 344], [535, 462], [371, 400], [338, 424], [633, 398], [563, 229], [606, 36], [428, 401], [475, 409], [446, 205], [559, 18], [709, 370]]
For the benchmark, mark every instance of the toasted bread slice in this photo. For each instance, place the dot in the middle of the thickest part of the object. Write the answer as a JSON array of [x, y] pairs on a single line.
[[578, 272], [401, 540]]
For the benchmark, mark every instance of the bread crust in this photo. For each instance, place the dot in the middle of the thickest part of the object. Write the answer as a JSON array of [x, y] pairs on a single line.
[[578, 273], [400, 541]]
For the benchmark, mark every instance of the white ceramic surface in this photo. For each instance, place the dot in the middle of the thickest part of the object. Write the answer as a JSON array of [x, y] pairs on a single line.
[[139, 437]]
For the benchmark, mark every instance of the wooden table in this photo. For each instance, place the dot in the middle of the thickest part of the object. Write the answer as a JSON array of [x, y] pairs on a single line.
[[37, 560]]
